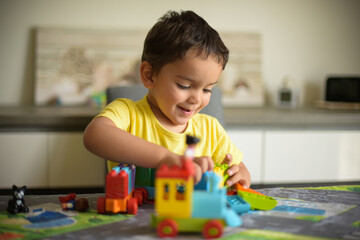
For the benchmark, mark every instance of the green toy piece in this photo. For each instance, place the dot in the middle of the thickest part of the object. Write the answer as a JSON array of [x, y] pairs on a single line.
[[257, 201]]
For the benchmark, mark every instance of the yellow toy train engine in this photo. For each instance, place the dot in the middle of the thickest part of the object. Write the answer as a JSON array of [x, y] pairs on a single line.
[[180, 208]]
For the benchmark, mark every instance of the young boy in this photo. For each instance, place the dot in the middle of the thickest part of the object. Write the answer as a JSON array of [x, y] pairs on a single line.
[[182, 60]]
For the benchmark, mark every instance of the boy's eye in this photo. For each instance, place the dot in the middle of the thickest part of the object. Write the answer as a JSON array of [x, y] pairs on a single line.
[[182, 86], [207, 90]]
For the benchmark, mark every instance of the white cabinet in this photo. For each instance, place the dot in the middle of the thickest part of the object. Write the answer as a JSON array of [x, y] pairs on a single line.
[[48, 159], [250, 143], [54, 159], [299, 156], [23, 159], [311, 156]]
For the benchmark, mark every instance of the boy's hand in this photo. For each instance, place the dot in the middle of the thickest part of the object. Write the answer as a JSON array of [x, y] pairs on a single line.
[[237, 173], [202, 165]]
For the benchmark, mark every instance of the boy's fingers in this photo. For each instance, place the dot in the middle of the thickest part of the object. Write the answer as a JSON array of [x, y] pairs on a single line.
[[205, 163], [211, 164], [232, 180], [228, 159], [234, 175], [198, 173], [233, 169], [244, 183]]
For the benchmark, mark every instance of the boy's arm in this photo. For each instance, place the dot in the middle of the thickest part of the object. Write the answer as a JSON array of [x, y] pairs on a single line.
[[104, 139]]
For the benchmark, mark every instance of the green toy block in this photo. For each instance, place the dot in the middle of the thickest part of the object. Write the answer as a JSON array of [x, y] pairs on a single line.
[[223, 167], [257, 201], [145, 176]]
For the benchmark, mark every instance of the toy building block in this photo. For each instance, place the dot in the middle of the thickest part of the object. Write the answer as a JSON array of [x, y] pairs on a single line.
[[259, 202], [239, 187], [81, 204], [167, 181], [221, 170], [120, 193], [256, 199], [180, 208], [145, 179], [238, 204], [68, 201]]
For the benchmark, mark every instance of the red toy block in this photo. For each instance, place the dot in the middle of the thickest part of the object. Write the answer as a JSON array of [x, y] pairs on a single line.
[[117, 185], [186, 171]]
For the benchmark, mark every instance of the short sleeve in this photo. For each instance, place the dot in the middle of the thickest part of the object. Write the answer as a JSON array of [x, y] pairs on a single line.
[[224, 145], [118, 111]]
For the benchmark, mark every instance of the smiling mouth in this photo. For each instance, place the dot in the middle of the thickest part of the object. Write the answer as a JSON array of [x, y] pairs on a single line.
[[186, 111]]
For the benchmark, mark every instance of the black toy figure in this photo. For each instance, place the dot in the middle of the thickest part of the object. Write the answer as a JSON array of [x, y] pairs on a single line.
[[17, 203]]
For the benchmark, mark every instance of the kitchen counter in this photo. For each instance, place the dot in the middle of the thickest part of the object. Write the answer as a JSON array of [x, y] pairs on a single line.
[[302, 118], [30, 118]]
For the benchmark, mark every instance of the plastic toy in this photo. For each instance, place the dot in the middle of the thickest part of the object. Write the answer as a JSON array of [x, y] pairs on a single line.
[[180, 208], [81, 204], [120, 193], [256, 199], [221, 169], [240, 199], [238, 204], [69, 202], [145, 178], [17, 203]]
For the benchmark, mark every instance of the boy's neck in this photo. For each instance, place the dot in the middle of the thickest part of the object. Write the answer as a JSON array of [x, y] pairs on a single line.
[[163, 119]]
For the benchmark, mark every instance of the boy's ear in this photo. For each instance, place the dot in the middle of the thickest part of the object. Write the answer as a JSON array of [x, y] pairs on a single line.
[[146, 74]]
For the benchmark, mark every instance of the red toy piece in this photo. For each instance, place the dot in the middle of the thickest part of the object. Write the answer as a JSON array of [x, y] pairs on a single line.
[[68, 202], [120, 193]]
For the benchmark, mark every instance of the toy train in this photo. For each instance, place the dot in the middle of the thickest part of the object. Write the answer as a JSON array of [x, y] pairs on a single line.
[[187, 210], [121, 196], [179, 206]]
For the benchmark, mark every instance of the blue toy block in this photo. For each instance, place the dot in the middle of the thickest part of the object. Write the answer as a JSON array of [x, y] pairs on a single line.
[[203, 184], [238, 204], [204, 208]]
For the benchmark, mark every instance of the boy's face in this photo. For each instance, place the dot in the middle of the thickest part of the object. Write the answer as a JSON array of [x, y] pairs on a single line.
[[182, 88]]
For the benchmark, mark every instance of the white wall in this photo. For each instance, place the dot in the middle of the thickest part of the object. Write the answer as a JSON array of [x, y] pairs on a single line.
[[305, 39]]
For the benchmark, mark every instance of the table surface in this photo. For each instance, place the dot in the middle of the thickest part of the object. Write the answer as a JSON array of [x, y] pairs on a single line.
[[324, 212]]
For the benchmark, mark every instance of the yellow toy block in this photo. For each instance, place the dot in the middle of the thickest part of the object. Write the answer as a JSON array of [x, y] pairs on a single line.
[[220, 170], [169, 201]]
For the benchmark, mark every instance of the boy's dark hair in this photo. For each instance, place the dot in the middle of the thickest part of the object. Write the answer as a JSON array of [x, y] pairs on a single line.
[[175, 33]]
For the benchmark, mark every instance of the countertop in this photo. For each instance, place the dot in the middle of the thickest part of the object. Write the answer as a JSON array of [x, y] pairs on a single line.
[[301, 118], [30, 118]]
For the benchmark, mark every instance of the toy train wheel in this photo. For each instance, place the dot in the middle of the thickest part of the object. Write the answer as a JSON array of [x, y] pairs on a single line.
[[167, 228], [139, 196], [144, 192], [132, 206], [213, 229], [101, 205]]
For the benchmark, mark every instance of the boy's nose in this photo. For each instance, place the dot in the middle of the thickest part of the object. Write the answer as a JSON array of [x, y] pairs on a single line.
[[195, 97]]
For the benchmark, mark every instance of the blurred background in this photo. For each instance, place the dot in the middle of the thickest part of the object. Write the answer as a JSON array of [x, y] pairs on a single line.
[[304, 39]]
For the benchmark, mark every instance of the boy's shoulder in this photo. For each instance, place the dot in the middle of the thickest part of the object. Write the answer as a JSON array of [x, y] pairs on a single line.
[[119, 102], [203, 118]]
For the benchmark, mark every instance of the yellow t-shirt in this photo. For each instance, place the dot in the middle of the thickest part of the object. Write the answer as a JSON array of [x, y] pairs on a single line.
[[138, 119]]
